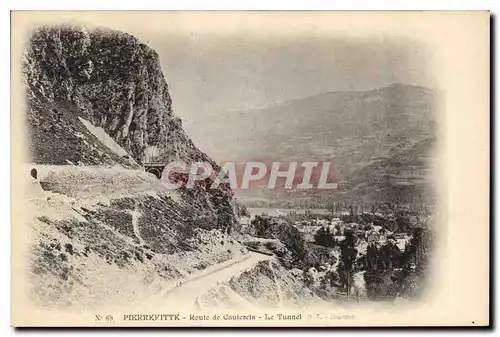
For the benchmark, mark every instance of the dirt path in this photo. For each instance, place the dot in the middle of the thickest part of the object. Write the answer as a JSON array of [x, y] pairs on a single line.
[[135, 224], [189, 291]]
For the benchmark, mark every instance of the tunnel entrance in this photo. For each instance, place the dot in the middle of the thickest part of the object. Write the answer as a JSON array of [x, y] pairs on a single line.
[[34, 173], [154, 168]]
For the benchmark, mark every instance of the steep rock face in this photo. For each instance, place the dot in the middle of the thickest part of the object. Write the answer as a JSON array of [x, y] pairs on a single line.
[[114, 82], [111, 79], [103, 228]]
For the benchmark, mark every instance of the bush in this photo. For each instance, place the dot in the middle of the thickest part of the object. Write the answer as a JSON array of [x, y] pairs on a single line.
[[262, 226], [273, 228], [324, 237]]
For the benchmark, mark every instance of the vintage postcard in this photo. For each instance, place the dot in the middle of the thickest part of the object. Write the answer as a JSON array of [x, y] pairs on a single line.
[[250, 169]]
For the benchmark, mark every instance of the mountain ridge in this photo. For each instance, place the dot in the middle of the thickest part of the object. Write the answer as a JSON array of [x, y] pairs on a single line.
[[326, 93], [350, 129]]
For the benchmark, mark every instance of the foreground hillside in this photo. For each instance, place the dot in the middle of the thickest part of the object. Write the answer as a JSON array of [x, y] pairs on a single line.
[[113, 235], [267, 285]]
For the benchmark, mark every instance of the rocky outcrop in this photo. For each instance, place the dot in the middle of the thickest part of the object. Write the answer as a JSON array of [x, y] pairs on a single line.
[[103, 228], [112, 80], [267, 285]]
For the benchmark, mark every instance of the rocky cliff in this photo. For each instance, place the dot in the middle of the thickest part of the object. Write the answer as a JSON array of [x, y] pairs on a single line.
[[110, 79], [103, 228], [78, 80]]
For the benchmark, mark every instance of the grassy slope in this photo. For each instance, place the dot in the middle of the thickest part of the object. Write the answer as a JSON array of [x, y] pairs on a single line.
[[87, 250]]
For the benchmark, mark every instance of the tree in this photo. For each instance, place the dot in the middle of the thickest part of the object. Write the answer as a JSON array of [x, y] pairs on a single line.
[[320, 237], [348, 253], [371, 257], [294, 241], [332, 278], [324, 237], [330, 241], [262, 225], [338, 229], [274, 228], [243, 211]]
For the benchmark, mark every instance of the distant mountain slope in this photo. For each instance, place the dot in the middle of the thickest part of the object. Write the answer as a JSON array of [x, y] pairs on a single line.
[[404, 176], [353, 130]]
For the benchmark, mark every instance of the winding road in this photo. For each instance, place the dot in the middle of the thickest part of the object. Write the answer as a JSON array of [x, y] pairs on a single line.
[[193, 287]]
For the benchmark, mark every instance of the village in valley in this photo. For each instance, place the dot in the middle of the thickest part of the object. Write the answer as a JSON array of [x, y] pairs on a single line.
[[349, 252]]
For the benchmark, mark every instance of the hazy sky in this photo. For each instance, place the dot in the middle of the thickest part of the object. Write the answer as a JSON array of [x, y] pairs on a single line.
[[209, 73]]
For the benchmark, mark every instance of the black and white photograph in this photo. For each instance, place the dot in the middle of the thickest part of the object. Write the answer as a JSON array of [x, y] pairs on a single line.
[[249, 169]]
